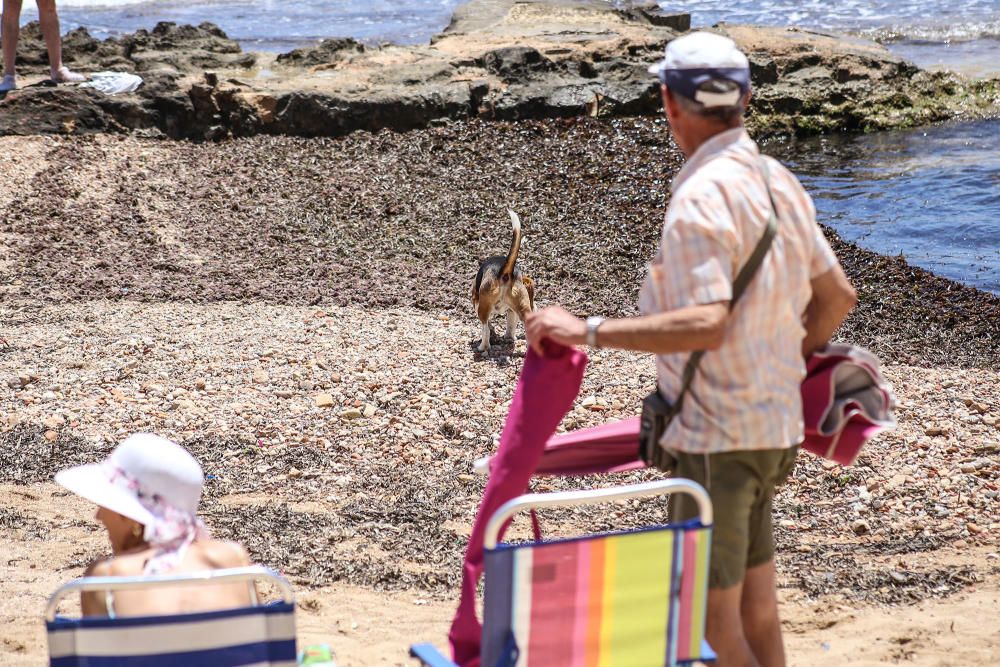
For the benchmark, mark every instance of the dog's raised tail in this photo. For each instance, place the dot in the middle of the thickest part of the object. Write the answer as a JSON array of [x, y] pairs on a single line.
[[515, 247]]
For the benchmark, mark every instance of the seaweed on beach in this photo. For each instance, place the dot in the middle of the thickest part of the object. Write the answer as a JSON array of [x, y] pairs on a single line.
[[27, 457], [386, 220], [907, 314], [398, 527]]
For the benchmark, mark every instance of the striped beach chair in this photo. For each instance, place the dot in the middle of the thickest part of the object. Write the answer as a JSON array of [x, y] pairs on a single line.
[[624, 599], [260, 635]]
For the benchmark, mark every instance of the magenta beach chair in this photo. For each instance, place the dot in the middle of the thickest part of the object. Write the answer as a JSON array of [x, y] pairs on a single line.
[[622, 599]]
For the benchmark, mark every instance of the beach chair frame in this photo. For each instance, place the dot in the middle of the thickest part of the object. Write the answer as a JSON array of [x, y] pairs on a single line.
[[265, 631], [431, 657], [233, 575]]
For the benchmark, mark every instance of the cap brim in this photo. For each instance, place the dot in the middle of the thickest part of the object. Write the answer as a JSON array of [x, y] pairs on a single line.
[[92, 483], [656, 69]]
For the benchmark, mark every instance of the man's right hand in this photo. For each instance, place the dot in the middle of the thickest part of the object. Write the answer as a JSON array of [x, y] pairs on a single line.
[[833, 297], [555, 323]]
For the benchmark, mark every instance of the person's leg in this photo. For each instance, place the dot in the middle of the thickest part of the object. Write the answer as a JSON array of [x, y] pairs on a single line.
[[733, 486], [11, 27], [724, 628], [48, 19], [759, 612], [759, 605]]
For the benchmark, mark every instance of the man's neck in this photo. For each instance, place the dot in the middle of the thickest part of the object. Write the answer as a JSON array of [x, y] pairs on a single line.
[[699, 133]]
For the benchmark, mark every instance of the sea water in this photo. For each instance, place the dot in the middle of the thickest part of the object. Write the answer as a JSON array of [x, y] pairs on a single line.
[[933, 33], [266, 25], [962, 36], [931, 195]]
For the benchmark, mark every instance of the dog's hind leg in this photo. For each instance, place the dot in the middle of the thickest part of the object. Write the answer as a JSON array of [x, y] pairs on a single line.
[[484, 309], [512, 319], [529, 285], [484, 346]]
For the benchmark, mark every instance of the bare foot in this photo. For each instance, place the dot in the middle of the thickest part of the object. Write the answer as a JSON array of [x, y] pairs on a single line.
[[65, 75]]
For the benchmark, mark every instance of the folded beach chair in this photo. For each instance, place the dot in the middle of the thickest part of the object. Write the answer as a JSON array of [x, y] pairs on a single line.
[[624, 599], [260, 635]]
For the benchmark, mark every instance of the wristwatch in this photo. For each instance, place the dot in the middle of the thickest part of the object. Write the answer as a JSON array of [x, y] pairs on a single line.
[[592, 323]]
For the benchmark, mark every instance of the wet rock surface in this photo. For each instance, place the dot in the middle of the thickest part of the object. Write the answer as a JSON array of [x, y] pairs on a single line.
[[497, 60], [327, 52]]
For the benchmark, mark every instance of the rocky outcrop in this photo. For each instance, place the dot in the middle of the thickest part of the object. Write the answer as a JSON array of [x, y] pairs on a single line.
[[168, 46], [807, 82], [327, 52], [497, 59]]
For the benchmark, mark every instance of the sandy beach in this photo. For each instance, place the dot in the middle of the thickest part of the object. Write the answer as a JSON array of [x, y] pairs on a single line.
[[295, 312]]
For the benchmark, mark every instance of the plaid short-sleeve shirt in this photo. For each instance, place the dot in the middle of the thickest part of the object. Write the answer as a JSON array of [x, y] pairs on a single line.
[[745, 395]]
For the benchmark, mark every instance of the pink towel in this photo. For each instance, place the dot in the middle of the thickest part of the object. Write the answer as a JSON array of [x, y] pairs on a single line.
[[845, 402], [544, 394]]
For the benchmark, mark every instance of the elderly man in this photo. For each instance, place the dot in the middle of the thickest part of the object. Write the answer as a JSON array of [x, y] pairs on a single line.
[[738, 429], [49, 20]]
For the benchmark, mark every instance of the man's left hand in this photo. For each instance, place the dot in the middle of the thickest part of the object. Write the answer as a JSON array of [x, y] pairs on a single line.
[[554, 323]]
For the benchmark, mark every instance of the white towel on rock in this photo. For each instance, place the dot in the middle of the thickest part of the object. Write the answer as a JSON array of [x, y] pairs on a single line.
[[113, 83]]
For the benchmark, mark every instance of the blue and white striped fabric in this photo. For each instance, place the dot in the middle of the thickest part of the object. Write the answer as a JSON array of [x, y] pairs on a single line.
[[252, 637]]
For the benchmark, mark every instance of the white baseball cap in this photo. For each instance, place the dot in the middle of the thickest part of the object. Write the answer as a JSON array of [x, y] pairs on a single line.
[[693, 60], [143, 469]]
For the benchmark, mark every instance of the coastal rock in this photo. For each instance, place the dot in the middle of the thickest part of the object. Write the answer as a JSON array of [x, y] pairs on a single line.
[[312, 114], [512, 63], [52, 110], [656, 15], [497, 60], [326, 52], [184, 48]]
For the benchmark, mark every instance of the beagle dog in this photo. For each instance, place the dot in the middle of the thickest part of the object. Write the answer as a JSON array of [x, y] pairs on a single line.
[[501, 288]]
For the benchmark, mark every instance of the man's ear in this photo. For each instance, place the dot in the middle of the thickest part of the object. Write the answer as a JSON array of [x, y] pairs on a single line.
[[665, 96], [670, 108]]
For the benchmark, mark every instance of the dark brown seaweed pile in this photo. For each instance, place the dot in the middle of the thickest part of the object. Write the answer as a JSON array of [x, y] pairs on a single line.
[[401, 219]]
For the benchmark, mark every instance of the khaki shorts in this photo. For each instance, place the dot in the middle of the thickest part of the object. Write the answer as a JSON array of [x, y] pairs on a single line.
[[741, 485]]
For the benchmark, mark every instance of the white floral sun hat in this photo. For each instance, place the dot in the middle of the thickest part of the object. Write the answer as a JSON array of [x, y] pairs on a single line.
[[150, 480]]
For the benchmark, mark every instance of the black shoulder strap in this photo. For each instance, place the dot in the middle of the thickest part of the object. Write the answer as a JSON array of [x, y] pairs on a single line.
[[743, 279]]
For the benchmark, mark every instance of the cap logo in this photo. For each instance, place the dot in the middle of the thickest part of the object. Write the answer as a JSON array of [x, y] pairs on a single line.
[[710, 99]]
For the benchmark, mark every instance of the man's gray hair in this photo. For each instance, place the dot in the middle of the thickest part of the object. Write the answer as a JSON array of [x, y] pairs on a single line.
[[723, 114]]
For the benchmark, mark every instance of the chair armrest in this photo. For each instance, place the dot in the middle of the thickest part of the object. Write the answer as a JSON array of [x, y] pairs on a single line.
[[430, 656], [593, 497]]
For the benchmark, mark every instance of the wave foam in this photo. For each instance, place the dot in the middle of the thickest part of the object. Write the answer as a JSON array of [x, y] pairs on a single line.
[[955, 32]]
